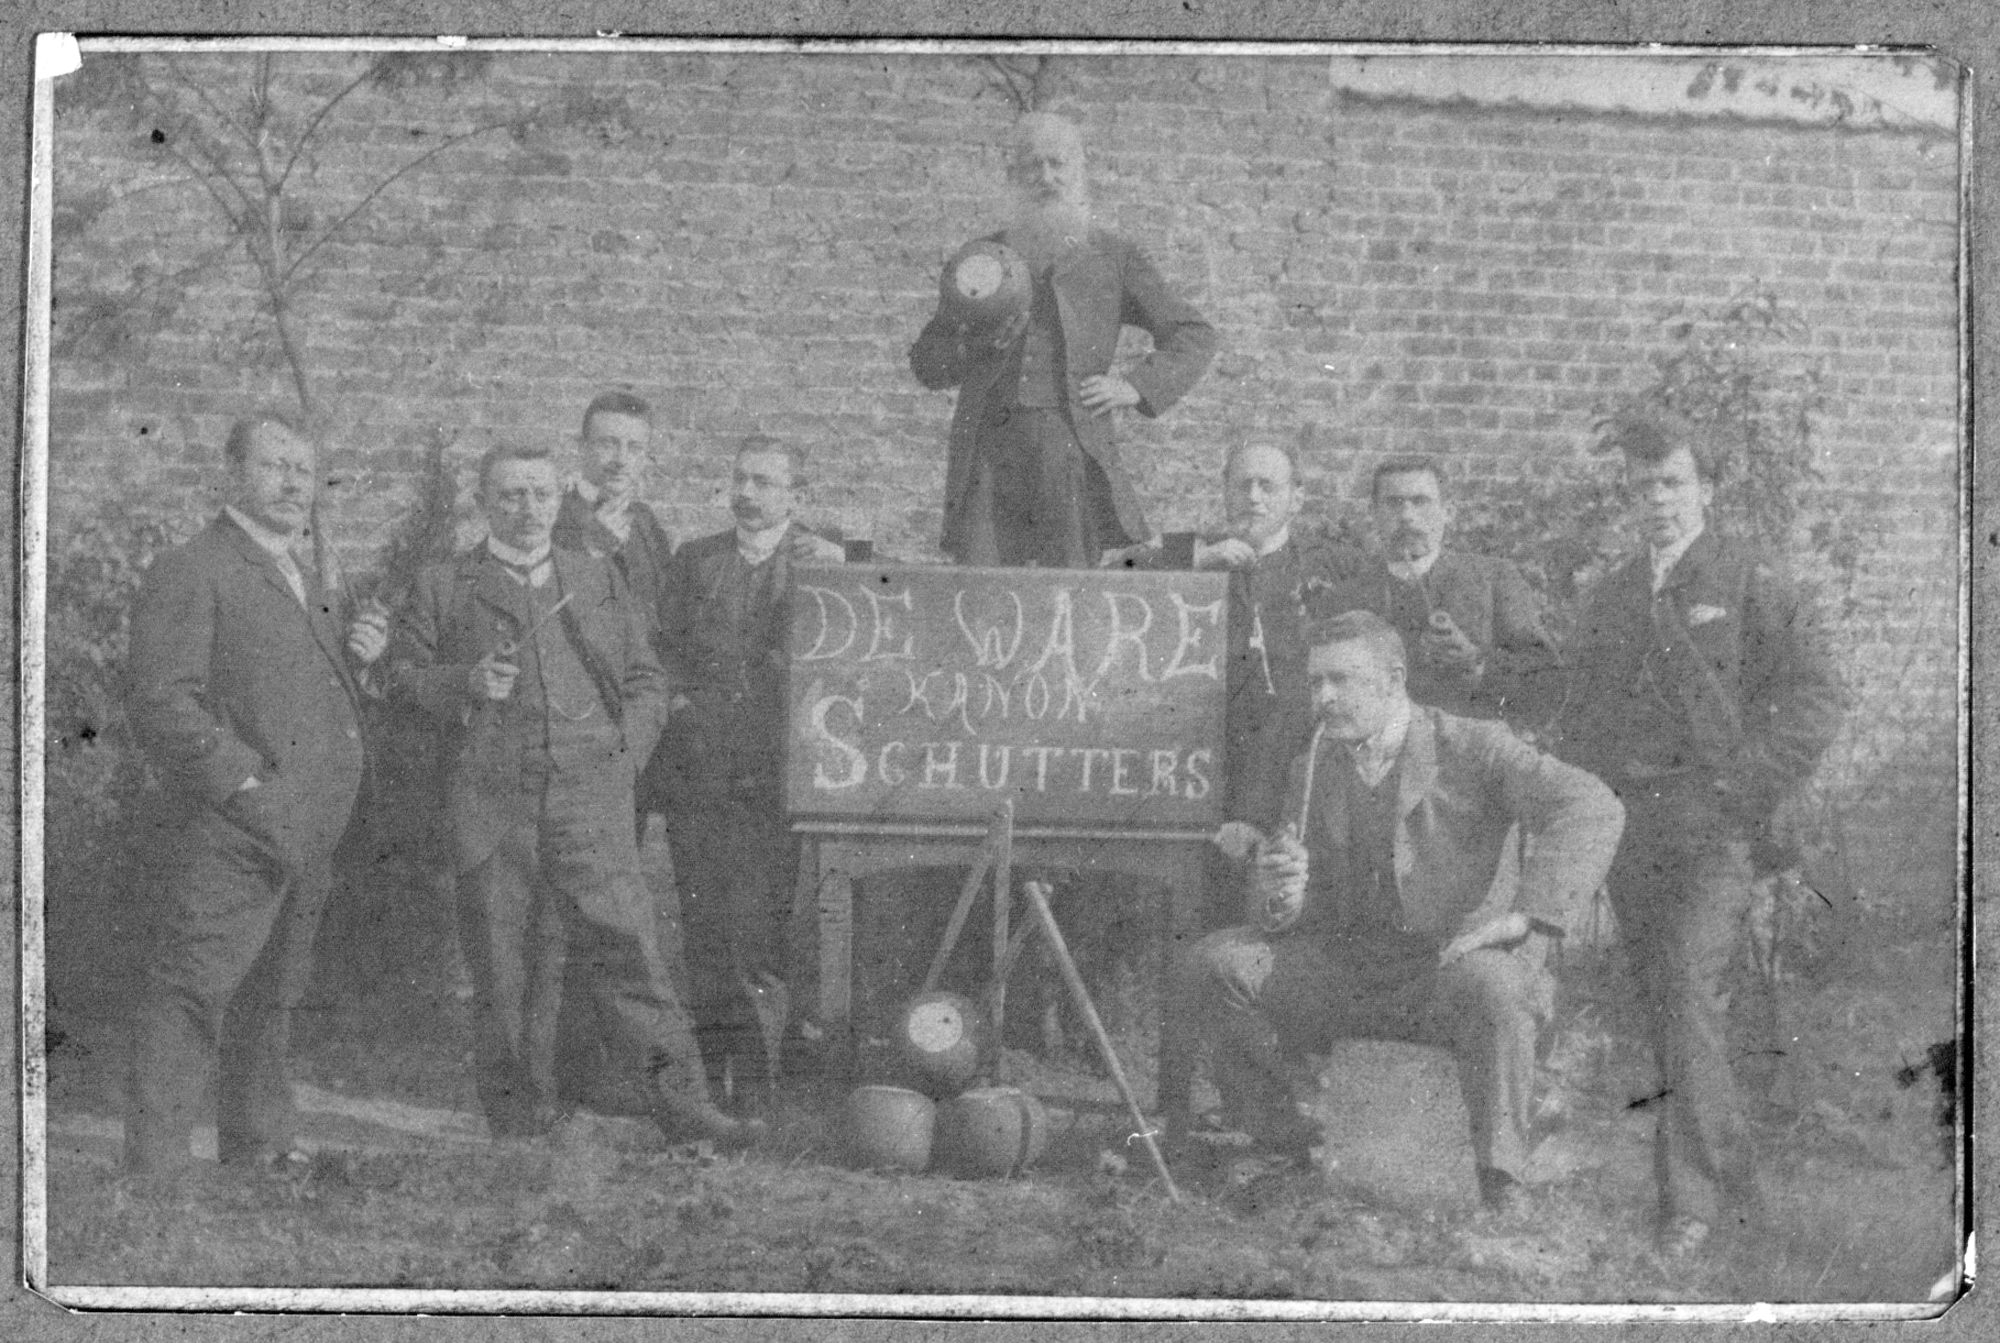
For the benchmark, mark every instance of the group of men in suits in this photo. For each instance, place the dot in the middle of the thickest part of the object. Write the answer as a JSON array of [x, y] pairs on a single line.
[[1406, 853], [1381, 713], [552, 658], [1399, 852]]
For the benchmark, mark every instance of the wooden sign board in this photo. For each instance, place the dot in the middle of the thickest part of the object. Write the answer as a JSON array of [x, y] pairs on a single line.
[[927, 694]]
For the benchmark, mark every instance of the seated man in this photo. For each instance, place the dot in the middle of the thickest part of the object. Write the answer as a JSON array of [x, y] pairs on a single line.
[[1374, 912]]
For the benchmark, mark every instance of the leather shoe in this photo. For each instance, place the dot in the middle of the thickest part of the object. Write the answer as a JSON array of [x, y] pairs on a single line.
[[685, 1120]]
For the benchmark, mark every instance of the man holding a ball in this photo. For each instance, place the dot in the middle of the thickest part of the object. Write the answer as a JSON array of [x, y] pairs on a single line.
[[1026, 327]]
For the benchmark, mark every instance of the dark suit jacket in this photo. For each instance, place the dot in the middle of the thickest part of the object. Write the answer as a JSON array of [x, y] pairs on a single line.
[[1732, 660], [730, 663], [229, 676], [1098, 288], [1498, 610], [455, 617], [1463, 783], [642, 557]]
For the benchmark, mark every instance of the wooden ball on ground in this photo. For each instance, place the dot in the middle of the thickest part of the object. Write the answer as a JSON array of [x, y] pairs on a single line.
[[991, 1132], [890, 1127], [985, 285], [937, 1037]]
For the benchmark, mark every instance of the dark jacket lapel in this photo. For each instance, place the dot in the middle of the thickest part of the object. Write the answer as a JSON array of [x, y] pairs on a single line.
[[492, 586], [320, 622], [1416, 774]]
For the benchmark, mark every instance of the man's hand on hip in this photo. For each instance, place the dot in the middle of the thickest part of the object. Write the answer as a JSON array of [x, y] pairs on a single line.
[[1104, 392]]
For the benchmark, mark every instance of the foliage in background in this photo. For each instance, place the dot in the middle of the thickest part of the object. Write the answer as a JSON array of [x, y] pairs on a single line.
[[255, 150], [96, 782]]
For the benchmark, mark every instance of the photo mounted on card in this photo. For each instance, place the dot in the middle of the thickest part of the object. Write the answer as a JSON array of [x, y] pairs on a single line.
[[1266, 681]]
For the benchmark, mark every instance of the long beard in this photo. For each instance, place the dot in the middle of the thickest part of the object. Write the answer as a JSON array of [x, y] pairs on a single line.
[[1045, 233]]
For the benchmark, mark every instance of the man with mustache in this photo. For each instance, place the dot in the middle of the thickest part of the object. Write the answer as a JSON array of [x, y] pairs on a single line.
[[604, 515], [1701, 692], [1033, 476], [242, 688], [725, 623], [1273, 573], [1373, 911], [542, 675], [1473, 626]]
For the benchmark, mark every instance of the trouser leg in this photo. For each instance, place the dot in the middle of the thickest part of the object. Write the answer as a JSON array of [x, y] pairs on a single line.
[[1483, 1008], [514, 951], [1272, 999], [735, 864], [1249, 995], [254, 1107], [591, 861], [1680, 888], [217, 911]]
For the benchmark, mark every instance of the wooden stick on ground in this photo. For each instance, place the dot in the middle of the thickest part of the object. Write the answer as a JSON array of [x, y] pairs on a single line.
[[1038, 900], [1003, 897], [1003, 823]]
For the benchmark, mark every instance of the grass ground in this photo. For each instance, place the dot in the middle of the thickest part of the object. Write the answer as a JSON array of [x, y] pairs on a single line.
[[1862, 1178]]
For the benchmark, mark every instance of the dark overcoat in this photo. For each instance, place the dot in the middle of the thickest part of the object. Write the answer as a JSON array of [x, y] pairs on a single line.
[[229, 676], [1099, 288], [1730, 655]]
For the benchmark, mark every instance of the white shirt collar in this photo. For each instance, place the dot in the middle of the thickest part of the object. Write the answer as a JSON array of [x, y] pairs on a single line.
[[520, 559], [1411, 571], [756, 547], [1277, 542], [1666, 557]]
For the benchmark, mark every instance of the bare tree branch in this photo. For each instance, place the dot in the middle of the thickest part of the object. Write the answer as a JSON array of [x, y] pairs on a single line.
[[215, 108], [299, 145], [208, 182], [326, 234], [1012, 79]]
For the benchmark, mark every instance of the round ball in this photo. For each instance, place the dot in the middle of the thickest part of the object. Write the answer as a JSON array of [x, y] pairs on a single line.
[[937, 1037], [985, 284], [991, 1132], [890, 1127]]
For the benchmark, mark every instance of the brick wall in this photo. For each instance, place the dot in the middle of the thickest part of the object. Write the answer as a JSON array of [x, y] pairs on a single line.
[[752, 241]]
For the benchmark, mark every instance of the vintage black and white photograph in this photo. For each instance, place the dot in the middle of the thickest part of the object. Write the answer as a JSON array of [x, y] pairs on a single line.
[[1043, 679]]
